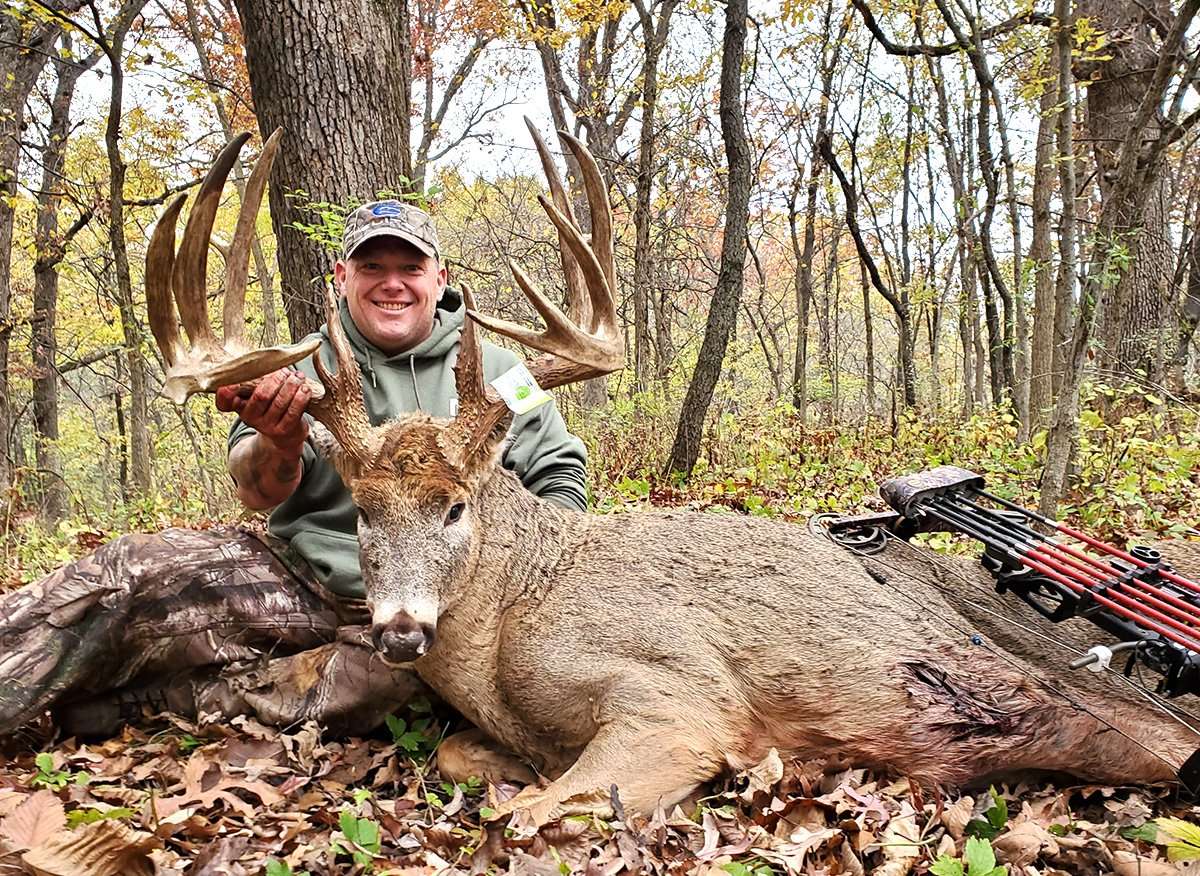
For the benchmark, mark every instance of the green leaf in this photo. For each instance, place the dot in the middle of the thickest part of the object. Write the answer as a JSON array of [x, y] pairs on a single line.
[[92, 814], [997, 815], [1183, 839], [947, 866], [44, 762], [1147, 833], [981, 860]]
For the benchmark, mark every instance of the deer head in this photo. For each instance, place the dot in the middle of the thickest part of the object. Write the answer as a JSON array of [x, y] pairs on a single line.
[[416, 481]]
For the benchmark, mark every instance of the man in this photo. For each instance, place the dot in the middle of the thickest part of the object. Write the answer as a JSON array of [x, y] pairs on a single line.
[[226, 622]]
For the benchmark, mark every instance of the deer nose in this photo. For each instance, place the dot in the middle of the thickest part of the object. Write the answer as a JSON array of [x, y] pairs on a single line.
[[402, 639]]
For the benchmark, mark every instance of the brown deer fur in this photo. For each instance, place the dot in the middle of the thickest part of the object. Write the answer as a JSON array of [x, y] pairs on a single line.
[[655, 650]]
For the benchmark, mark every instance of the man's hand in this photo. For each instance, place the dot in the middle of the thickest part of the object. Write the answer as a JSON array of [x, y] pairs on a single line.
[[266, 466], [275, 409]]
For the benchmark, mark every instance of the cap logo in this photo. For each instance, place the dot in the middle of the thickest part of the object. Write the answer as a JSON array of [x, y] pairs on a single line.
[[386, 210]]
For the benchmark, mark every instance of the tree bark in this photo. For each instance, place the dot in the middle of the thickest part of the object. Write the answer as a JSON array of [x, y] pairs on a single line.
[[1134, 178], [49, 247], [655, 37], [1041, 362], [722, 313], [1138, 310], [141, 468], [26, 41], [802, 248], [337, 77]]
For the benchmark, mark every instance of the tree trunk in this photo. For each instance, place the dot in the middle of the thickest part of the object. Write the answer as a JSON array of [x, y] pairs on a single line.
[[140, 462], [1138, 310], [337, 77], [1189, 307], [50, 246], [643, 275], [899, 303], [1042, 346], [870, 339], [1134, 178], [722, 313], [26, 41]]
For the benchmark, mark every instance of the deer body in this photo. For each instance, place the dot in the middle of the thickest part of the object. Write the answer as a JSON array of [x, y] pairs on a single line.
[[655, 650]]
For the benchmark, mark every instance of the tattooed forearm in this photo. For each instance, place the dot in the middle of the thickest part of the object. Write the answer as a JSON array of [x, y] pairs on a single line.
[[264, 473]]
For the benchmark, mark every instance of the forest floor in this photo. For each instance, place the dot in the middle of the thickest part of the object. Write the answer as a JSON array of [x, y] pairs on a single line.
[[171, 796], [242, 798]]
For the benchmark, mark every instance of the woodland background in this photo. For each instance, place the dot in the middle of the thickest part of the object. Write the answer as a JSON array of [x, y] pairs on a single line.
[[853, 241]]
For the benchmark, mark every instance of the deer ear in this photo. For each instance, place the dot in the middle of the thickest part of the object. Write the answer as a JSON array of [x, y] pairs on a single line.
[[325, 444]]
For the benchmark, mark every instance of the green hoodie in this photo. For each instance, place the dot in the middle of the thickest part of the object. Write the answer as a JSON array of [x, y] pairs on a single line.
[[319, 519]]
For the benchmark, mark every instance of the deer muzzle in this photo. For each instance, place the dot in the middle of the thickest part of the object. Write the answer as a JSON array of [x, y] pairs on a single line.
[[402, 639]]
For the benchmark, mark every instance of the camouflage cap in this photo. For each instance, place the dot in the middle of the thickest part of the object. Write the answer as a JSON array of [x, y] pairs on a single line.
[[393, 218]]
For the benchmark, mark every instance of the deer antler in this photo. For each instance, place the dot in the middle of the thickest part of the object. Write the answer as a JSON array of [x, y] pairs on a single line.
[[571, 352], [208, 363]]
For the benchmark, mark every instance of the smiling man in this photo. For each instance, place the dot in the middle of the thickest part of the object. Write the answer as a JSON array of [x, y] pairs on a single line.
[[228, 621]]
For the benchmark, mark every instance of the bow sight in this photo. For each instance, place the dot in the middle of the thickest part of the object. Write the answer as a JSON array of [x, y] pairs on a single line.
[[1133, 595]]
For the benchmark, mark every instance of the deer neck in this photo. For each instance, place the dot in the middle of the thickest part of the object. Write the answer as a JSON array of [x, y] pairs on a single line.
[[522, 540]]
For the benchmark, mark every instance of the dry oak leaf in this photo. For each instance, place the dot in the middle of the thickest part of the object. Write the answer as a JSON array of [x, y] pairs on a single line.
[[204, 783], [104, 848], [901, 843], [956, 816], [1131, 864], [36, 820], [1024, 844], [763, 776]]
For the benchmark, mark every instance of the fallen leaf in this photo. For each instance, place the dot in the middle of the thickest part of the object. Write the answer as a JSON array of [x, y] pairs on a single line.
[[1131, 864], [956, 816], [105, 848], [39, 818], [900, 843], [762, 776], [1024, 844]]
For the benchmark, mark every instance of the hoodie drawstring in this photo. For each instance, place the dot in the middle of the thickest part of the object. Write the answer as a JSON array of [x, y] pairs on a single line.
[[416, 391], [371, 370]]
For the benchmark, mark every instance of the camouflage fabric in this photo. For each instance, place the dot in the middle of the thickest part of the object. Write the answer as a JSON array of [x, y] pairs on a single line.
[[393, 219], [210, 621]]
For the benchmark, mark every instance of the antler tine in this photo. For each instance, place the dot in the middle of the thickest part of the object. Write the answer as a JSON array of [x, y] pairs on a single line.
[[191, 264], [237, 261], [604, 315], [479, 412], [341, 409], [160, 308], [573, 353], [575, 286], [205, 363]]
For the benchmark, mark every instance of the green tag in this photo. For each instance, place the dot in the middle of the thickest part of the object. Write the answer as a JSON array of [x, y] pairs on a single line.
[[519, 390]]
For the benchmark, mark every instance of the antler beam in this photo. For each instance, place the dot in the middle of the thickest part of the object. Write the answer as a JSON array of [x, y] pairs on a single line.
[[175, 282]]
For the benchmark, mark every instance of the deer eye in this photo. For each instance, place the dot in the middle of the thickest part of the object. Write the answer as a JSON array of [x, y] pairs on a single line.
[[455, 512]]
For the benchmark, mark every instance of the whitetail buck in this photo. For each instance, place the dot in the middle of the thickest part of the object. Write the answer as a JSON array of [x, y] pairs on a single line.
[[653, 650]]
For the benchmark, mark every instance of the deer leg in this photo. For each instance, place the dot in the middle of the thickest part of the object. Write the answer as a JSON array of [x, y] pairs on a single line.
[[650, 764], [471, 753]]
